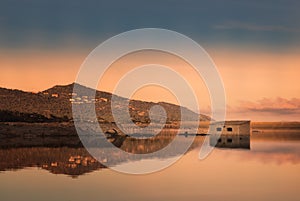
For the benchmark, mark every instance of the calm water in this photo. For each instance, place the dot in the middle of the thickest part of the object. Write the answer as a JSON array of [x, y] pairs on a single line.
[[269, 170]]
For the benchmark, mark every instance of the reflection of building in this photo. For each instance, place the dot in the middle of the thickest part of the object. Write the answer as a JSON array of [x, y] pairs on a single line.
[[230, 134], [230, 141]]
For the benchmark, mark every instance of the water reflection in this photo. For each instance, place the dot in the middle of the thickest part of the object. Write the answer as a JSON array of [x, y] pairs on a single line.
[[70, 158], [73, 159], [230, 141], [65, 160]]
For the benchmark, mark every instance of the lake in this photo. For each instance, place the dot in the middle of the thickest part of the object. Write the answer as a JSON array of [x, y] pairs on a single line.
[[268, 170]]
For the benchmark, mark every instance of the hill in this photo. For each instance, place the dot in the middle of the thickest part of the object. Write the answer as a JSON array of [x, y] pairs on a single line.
[[55, 104]]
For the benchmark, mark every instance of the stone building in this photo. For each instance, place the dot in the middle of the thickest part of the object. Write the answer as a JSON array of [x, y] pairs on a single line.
[[230, 128], [230, 134]]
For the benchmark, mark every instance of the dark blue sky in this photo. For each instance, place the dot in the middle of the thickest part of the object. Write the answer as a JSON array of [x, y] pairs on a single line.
[[56, 23]]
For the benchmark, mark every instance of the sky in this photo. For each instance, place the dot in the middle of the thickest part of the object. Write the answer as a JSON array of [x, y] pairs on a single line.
[[254, 44]]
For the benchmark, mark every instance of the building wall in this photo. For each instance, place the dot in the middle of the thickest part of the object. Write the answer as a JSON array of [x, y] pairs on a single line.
[[245, 129], [230, 129], [231, 134]]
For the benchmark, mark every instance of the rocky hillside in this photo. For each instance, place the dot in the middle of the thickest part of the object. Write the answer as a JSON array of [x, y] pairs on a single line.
[[56, 104]]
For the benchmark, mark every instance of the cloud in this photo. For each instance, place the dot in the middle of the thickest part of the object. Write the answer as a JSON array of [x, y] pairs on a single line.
[[254, 27], [275, 106]]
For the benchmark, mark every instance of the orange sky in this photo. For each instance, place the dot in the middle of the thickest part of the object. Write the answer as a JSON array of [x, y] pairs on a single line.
[[248, 75]]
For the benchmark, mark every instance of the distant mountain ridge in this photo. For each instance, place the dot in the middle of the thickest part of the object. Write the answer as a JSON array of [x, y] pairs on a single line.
[[55, 104]]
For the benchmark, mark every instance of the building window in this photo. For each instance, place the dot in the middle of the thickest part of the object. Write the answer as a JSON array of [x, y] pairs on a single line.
[[229, 140], [219, 129], [229, 129]]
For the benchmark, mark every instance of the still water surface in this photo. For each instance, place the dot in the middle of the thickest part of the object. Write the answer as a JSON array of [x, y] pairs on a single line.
[[269, 170]]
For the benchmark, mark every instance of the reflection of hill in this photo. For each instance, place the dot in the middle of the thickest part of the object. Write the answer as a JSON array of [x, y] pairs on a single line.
[[59, 150], [70, 161], [76, 161]]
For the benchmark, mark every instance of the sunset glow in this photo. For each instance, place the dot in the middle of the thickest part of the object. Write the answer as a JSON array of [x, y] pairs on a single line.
[[248, 76]]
